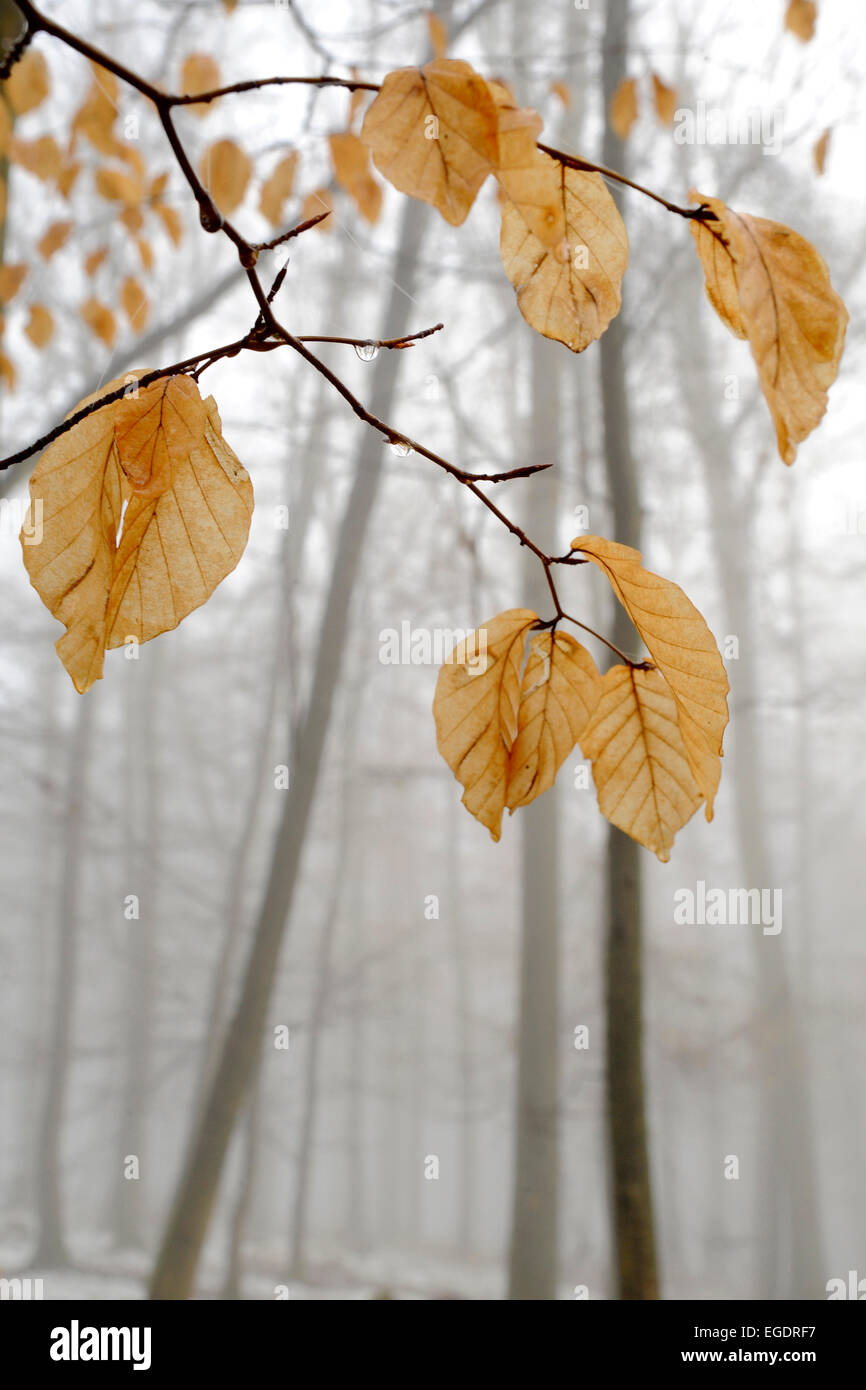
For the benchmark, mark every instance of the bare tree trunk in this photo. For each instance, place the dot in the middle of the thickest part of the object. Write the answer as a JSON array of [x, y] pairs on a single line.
[[51, 1250], [243, 1201], [140, 949], [631, 1192], [462, 961], [534, 1232], [177, 1261], [316, 1024], [786, 1202]]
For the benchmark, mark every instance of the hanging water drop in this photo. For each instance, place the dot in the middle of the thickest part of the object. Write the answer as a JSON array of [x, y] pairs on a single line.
[[400, 447], [367, 351]]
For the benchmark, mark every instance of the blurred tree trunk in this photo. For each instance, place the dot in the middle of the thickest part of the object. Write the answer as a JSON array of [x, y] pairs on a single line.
[[786, 1204], [191, 1210], [316, 1023], [631, 1191], [143, 833], [232, 1286], [462, 961], [534, 1231], [51, 1250]]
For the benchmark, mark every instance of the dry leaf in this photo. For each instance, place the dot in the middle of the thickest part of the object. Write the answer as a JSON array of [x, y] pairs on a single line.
[[352, 171], [7, 372], [145, 252], [185, 526], [559, 692], [11, 280], [66, 178], [681, 646], [720, 277], [561, 90], [225, 172], [94, 260], [95, 118], [530, 179], [639, 764], [800, 19], [40, 326], [433, 133], [41, 157], [819, 151], [278, 187], [438, 35], [116, 186], [570, 292], [794, 319], [475, 708], [132, 219], [28, 84], [170, 219], [52, 239], [136, 304], [664, 100], [314, 204], [622, 111], [5, 127], [200, 73], [100, 320]]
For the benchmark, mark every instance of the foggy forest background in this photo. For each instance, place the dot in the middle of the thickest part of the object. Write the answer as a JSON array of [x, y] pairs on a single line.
[[407, 1029]]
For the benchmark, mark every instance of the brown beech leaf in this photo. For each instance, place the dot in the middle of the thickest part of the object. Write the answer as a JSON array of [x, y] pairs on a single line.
[[100, 320], [145, 252], [664, 100], [184, 528], [69, 172], [95, 118], [438, 35], [639, 765], [28, 84], [117, 186], [559, 692], [136, 304], [318, 201], [433, 133], [94, 260], [225, 171], [199, 73], [475, 708], [622, 112], [563, 91], [52, 239], [352, 171], [819, 151], [785, 305], [41, 157], [40, 326], [681, 646], [171, 221], [278, 187], [11, 280], [7, 372], [569, 292], [527, 176], [800, 18]]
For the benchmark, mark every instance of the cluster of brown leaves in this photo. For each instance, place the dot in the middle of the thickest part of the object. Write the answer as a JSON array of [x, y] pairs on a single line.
[[623, 107], [121, 178], [144, 510], [506, 719], [437, 132]]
